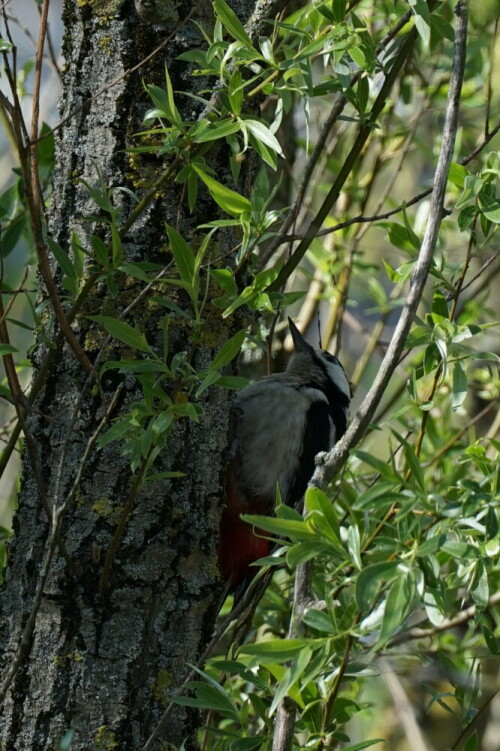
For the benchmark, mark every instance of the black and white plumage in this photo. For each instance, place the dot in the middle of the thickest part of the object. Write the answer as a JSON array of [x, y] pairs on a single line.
[[280, 423]]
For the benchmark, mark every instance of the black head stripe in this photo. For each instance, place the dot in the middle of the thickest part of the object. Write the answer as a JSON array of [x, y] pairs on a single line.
[[331, 358]]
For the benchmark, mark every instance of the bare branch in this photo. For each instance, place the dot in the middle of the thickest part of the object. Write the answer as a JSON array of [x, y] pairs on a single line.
[[426, 633], [338, 456]]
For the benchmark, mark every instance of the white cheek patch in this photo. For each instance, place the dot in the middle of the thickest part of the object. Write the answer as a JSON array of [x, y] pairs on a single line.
[[335, 373]]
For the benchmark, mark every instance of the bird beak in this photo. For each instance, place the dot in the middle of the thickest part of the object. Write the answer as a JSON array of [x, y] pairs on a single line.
[[299, 342]]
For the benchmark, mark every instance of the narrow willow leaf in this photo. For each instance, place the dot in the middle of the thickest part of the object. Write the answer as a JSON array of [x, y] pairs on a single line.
[[229, 350], [371, 579], [231, 22], [183, 255], [459, 385], [219, 130], [262, 133], [62, 258], [274, 650], [7, 349], [230, 201], [123, 332]]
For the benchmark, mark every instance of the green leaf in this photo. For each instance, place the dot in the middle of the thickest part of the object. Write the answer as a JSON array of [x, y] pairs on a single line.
[[480, 589], [363, 92], [62, 258], [177, 119], [422, 17], [230, 201], [385, 469], [418, 335], [371, 579], [466, 217], [229, 350], [490, 207], [100, 249], [413, 463], [268, 156], [246, 744], [123, 332], [317, 499], [354, 545], [472, 187], [471, 742], [117, 432], [116, 245], [183, 255], [442, 28], [11, 234], [225, 278], [5, 46], [459, 385], [169, 305], [7, 349], [398, 604], [492, 642], [281, 527], [211, 377], [231, 22], [318, 620], [398, 236], [440, 311], [274, 650], [164, 100], [219, 130], [235, 92], [457, 174], [133, 269], [263, 134], [339, 8], [208, 697]]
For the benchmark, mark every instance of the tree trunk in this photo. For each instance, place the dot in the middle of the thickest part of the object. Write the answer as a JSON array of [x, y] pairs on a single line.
[[83, 650]]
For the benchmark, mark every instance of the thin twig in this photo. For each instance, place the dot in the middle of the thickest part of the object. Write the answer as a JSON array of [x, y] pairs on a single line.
[[284, 725], [360, 219], [489, 89], [364, 132], [448, 623], [476, 276], [52, 54], [29, 167], [468, 425], [313, 160]]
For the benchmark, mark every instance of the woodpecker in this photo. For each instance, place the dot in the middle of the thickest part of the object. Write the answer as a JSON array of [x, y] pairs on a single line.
[[279, 424]]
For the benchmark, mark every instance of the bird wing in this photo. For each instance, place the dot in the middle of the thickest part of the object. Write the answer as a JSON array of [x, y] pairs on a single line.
[[278, 424]]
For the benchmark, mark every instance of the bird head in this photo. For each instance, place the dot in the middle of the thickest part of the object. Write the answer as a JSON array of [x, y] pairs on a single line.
[[316, 365]]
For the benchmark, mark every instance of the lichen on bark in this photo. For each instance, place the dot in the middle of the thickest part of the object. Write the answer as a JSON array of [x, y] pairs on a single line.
[[158, 611]]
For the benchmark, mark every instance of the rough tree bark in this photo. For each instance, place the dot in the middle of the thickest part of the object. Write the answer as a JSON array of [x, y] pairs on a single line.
[[105, 662]]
